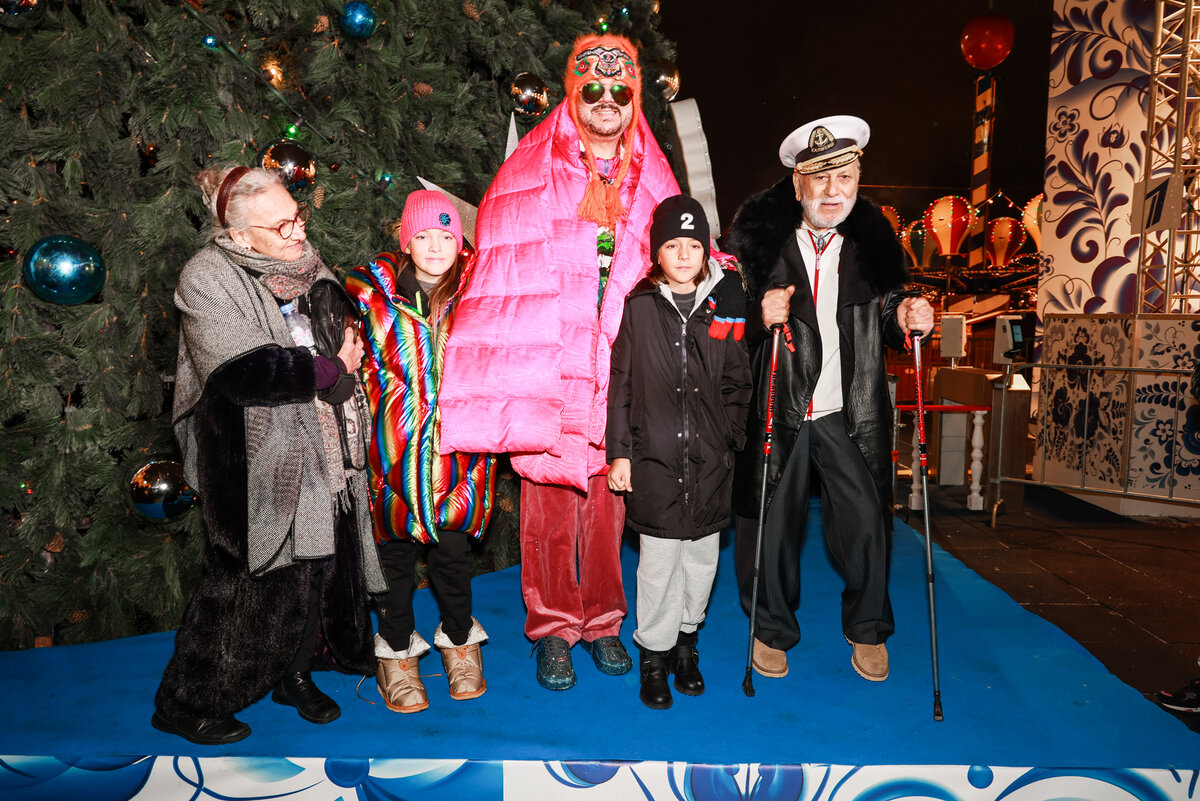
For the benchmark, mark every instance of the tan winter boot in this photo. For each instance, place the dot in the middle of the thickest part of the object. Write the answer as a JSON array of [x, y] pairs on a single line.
[[463, 663], [464, 670], [398, 676]]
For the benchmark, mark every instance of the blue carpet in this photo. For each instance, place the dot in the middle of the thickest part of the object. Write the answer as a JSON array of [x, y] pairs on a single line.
[[1016, 691]]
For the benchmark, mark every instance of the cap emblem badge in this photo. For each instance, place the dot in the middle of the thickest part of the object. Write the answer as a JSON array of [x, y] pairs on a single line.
[[820, 139]]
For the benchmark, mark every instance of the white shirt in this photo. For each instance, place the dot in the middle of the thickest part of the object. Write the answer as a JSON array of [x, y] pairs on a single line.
[[827, 396]]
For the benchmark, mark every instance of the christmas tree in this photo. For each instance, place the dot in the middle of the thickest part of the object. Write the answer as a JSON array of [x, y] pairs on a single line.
[[106, 111]]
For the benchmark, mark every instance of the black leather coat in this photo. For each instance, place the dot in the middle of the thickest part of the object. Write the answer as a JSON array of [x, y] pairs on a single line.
[[677, 401], [871, 274]]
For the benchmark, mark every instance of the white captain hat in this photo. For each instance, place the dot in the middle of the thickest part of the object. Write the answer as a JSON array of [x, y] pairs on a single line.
[[824, 144]]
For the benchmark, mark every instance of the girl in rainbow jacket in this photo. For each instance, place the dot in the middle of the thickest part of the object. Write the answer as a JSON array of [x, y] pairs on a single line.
[[420, 500]]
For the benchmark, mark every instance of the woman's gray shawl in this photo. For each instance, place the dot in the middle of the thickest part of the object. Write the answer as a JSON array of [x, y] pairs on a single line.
[[225, 313]]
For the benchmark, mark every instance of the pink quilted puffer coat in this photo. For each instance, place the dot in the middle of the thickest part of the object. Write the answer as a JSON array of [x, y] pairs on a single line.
[[528, 361]]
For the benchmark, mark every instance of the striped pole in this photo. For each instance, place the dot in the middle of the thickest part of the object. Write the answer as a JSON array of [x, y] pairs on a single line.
[[981, 164]]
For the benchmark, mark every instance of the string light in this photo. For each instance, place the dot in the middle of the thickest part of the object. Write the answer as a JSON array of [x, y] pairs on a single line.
[[999, 194], [274, 72]]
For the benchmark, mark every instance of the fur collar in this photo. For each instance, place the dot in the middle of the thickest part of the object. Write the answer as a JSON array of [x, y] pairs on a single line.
[[762, 225]]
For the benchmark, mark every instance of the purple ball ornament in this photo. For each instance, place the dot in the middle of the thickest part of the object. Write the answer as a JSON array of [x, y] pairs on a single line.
[[64, 270], [358, 20]]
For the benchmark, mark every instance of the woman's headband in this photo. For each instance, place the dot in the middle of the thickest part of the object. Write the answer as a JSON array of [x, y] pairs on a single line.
[[226, 190]]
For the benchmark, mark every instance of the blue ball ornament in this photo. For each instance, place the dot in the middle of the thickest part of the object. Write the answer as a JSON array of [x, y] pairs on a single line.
[[358, 20], [159, 491], [64, 270]]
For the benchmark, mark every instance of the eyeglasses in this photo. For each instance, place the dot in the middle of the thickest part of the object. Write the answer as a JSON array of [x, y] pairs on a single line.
[[593, 92], [286, 229]]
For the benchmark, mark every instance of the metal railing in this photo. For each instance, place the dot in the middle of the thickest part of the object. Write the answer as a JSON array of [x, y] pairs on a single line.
[[978, 414], [1127, 439]]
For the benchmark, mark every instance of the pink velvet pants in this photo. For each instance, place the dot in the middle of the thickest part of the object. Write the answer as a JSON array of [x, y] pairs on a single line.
[[571, 560]]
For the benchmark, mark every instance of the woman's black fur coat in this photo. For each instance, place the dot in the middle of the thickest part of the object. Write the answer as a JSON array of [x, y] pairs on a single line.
[[871, 274], [240, 632]]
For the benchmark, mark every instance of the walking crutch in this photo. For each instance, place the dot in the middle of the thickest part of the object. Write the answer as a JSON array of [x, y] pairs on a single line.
[[924, 466], [768, 431]]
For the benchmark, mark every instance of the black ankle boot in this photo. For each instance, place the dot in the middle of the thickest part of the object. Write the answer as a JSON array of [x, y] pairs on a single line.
[[685, 664], [298, 690], [655, 692]]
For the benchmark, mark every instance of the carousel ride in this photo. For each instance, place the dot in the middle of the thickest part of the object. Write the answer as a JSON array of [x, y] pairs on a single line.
[[936, 247]]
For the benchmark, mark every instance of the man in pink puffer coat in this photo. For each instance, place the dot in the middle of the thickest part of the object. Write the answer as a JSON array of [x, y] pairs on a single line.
[[562, 237]]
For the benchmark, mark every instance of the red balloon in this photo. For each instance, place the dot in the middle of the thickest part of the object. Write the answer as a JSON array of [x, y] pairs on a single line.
[[947, 220], [893, 217], [986, 41], [1005, 235]]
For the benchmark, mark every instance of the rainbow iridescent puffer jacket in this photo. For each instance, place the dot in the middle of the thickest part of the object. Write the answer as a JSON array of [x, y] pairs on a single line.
[[415, 492]]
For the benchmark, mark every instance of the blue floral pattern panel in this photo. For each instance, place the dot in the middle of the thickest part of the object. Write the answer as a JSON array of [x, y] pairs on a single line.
[[1095, 145], [1083, 411], [1135, 432], [682, 781], [1165, 458], [319, 779]]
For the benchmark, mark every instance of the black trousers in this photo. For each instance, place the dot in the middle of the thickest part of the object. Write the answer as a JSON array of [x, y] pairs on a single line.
[[310, 638], [856, 532], [450, 575]]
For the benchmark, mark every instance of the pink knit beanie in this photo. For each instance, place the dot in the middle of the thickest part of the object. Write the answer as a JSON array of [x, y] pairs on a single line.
[[428, 208]]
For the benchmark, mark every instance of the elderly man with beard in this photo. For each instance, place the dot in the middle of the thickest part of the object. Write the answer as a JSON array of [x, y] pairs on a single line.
[[823, 265], [563, 235]]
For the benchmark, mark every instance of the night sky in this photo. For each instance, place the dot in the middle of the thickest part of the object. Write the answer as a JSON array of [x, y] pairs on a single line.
[[760, 68]]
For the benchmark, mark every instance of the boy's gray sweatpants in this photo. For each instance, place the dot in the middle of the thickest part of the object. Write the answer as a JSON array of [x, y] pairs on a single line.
[[674, 582]]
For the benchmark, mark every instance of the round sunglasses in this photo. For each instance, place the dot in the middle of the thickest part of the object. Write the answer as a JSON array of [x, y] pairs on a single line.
[[593, 92]]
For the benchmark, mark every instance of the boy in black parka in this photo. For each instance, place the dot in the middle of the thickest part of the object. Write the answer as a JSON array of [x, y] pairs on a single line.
[[677, 405]]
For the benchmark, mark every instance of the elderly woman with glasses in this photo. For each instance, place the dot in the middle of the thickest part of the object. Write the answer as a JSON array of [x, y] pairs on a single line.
[[267, 414]]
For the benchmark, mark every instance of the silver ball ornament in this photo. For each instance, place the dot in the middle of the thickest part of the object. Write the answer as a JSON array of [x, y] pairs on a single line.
[[529, 93]]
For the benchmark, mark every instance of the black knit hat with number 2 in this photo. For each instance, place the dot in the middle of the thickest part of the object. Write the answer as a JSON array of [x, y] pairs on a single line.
[[678, 215]]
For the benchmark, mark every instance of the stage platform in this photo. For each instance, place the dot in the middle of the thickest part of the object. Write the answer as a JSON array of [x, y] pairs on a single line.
[[1029, 714]]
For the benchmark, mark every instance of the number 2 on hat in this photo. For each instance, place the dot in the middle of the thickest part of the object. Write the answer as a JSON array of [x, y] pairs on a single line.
[[685, 222]]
